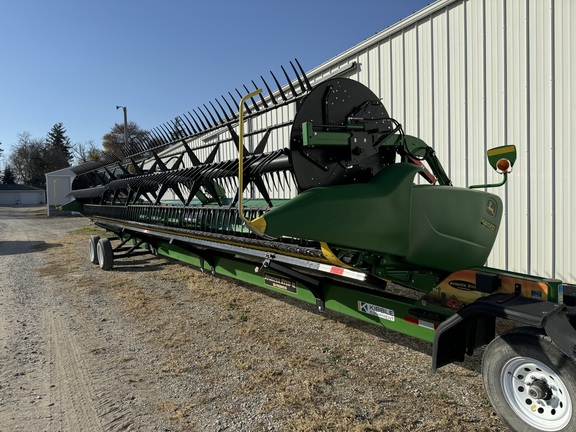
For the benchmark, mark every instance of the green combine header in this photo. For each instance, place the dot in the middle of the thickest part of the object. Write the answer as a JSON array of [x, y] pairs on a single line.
[[338, 207]]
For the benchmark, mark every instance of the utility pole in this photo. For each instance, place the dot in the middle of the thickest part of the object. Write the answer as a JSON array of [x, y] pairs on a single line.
[[125, 126]]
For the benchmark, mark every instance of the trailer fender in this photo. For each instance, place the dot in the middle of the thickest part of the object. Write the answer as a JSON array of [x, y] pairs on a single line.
[[475, 325]]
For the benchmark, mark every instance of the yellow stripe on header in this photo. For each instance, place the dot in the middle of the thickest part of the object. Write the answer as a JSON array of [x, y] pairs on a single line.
[[500, 150]]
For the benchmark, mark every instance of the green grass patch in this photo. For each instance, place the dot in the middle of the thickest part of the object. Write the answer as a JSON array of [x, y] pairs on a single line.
[[88, 230]]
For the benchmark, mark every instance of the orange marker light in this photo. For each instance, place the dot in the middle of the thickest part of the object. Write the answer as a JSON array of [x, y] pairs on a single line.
[[503, 166]]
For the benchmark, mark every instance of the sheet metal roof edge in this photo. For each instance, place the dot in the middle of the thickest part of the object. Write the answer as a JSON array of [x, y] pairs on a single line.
[[381, 35], [18, 187]]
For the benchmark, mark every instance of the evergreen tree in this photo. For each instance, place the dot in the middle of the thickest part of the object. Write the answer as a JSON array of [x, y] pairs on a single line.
[[58, 148], [8, 177]]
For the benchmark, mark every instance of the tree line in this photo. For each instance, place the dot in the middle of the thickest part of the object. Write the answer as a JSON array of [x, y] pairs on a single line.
[[31, 158]]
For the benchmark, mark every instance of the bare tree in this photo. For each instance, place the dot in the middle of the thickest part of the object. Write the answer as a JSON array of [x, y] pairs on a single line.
[[28, 160], [113, 141], [86, 151]]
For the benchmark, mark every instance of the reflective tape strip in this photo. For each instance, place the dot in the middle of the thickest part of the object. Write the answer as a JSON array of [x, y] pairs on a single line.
[[421, 323], [341, 272]]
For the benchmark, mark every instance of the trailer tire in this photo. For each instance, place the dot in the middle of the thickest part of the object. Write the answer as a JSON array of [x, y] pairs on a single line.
[[93, 249], [105, 254], [530, 383]]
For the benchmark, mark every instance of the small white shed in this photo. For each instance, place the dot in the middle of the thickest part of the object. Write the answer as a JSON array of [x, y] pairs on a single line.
[[58, 185]]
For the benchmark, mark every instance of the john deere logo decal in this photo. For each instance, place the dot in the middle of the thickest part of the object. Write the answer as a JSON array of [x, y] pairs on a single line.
[[491, 208]]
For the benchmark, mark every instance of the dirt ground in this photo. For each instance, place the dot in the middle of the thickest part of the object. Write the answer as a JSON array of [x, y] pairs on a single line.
[[155, 345]]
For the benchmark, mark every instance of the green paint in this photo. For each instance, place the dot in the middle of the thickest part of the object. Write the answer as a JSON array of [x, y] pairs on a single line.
[[437, 227]]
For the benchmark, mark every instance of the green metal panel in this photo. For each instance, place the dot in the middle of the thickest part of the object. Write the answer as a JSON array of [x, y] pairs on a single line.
[[452, 228], [439, 227], [372, 216]]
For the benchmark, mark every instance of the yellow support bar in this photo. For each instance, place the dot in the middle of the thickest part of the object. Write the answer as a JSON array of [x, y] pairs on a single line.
[[241, 160]]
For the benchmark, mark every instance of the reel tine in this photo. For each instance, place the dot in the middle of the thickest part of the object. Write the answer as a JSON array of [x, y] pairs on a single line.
[[195, 122], [278, 182], [175, 130], [216, 111], [289, 82], [214, 122], [303, 74], [232, 112], [190, 123], [261, 97], [284, 98], [205, 118], [159, 135], [266, 180], [298, 77], [140, 144], [166, 133], [287, 180], [234, 102], [185, 125], [201, 122], [152, 139], [269, 91], [223, 111]]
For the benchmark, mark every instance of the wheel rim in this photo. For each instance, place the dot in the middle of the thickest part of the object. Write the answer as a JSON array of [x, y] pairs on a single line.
[[536, 394]]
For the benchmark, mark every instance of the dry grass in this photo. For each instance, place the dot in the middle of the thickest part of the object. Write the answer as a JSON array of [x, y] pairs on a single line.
[[302, 371]]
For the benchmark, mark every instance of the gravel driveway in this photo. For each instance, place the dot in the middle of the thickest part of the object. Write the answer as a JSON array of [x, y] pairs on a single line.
[[157, 346]]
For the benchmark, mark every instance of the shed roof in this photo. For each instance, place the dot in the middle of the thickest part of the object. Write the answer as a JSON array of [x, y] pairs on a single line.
[[18, 187]]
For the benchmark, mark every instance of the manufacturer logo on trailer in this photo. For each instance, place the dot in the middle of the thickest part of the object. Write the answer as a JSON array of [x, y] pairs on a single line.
[[379, 311]]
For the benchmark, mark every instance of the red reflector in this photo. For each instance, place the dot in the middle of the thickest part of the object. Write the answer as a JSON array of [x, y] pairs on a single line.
[[337, 270], [411, 320]]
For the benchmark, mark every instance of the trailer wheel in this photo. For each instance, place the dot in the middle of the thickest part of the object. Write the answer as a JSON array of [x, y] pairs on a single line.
[[530, 383], [92, 249], [105, 254]]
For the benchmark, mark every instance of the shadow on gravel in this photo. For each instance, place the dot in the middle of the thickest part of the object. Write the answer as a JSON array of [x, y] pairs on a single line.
[[22, 247]]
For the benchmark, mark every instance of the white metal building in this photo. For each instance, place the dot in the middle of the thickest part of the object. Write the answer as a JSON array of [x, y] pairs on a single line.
[[468, 75], [16, 194]]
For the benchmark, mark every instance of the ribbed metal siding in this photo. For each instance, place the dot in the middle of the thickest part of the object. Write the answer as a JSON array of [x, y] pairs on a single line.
[[469, 75]]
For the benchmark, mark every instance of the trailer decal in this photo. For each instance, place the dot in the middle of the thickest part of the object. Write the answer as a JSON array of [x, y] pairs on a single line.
[[280, 283], [379, 311]]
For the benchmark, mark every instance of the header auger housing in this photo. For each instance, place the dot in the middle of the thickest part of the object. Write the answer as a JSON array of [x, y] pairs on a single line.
[[310, 191]]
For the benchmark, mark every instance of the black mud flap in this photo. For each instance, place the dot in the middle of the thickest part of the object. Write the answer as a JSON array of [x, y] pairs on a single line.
[[474, 325]]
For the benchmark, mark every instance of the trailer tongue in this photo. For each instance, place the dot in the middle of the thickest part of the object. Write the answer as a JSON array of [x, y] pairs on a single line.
[[324, 207]]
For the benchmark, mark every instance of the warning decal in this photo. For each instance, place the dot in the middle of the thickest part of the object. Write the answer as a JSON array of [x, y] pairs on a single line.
[[379, 311]]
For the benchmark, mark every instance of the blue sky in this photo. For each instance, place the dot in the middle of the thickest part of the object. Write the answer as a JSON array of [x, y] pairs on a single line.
[[73, 61]]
